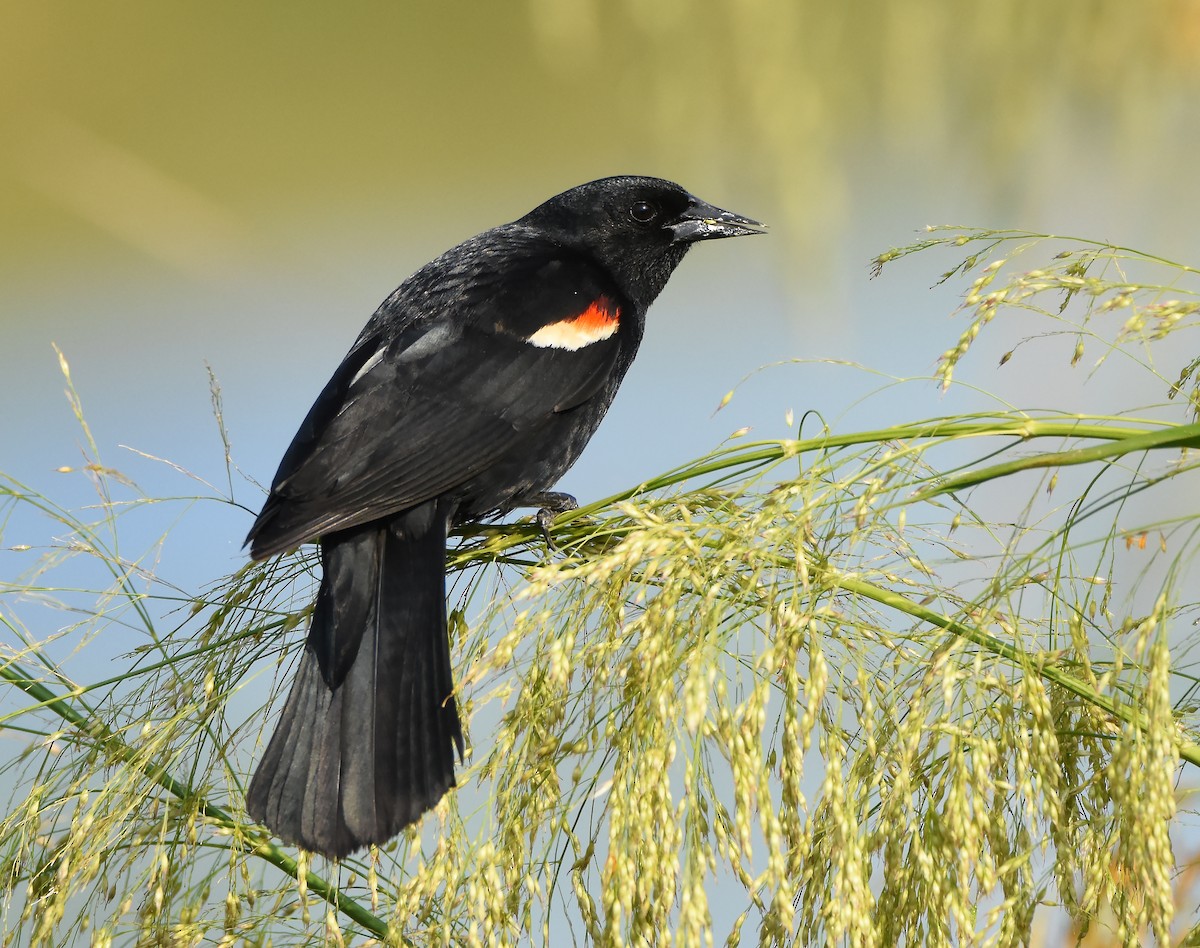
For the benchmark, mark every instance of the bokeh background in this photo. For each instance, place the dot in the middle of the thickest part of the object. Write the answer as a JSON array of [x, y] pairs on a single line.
[[237, 186]]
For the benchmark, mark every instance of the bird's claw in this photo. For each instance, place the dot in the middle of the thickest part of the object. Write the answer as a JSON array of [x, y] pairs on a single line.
[[550, 504], [545, 520]]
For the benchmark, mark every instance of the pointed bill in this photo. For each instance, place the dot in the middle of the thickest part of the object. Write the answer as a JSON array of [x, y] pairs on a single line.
[[705, 222]]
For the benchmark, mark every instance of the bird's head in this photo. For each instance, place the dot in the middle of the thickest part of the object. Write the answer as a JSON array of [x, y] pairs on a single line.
[[637, 228]]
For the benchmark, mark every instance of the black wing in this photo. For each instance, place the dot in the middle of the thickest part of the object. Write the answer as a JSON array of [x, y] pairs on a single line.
[[412, 415]]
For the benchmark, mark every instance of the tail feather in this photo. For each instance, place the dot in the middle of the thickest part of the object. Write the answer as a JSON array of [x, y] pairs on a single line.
[[365, 743]]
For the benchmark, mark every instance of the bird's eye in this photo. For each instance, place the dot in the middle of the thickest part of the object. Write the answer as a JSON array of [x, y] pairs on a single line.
[[643, 212]]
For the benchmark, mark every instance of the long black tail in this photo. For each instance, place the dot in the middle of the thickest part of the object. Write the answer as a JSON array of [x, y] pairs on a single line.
[[364, 744]]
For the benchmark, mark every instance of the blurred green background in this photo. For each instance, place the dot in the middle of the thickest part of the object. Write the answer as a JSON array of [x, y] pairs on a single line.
[[204, 136], [241, 184]]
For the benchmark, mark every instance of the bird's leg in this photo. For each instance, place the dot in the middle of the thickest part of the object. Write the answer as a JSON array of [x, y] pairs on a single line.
[[550, 503]]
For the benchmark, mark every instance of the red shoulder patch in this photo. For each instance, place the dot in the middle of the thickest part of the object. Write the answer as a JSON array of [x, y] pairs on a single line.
[[594, 324]]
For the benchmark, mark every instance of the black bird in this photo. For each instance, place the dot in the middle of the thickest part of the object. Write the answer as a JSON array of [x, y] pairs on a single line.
[[470, 392]]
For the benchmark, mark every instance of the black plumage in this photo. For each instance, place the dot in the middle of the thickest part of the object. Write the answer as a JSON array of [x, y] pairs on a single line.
[[471, 391]]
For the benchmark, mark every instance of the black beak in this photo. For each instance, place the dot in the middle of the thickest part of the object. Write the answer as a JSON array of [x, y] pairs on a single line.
[[704, 222]]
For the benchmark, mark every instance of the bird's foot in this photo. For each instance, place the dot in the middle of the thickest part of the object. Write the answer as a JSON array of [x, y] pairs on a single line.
[[550, 504]]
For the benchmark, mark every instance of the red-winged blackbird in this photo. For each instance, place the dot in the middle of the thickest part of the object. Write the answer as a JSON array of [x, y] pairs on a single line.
[[472, 389]]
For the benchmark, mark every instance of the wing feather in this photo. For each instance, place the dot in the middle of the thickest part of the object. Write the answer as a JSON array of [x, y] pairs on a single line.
[[414, 415]]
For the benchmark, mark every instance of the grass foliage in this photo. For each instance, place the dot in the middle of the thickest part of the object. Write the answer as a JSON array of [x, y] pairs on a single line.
[[897, 686]]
